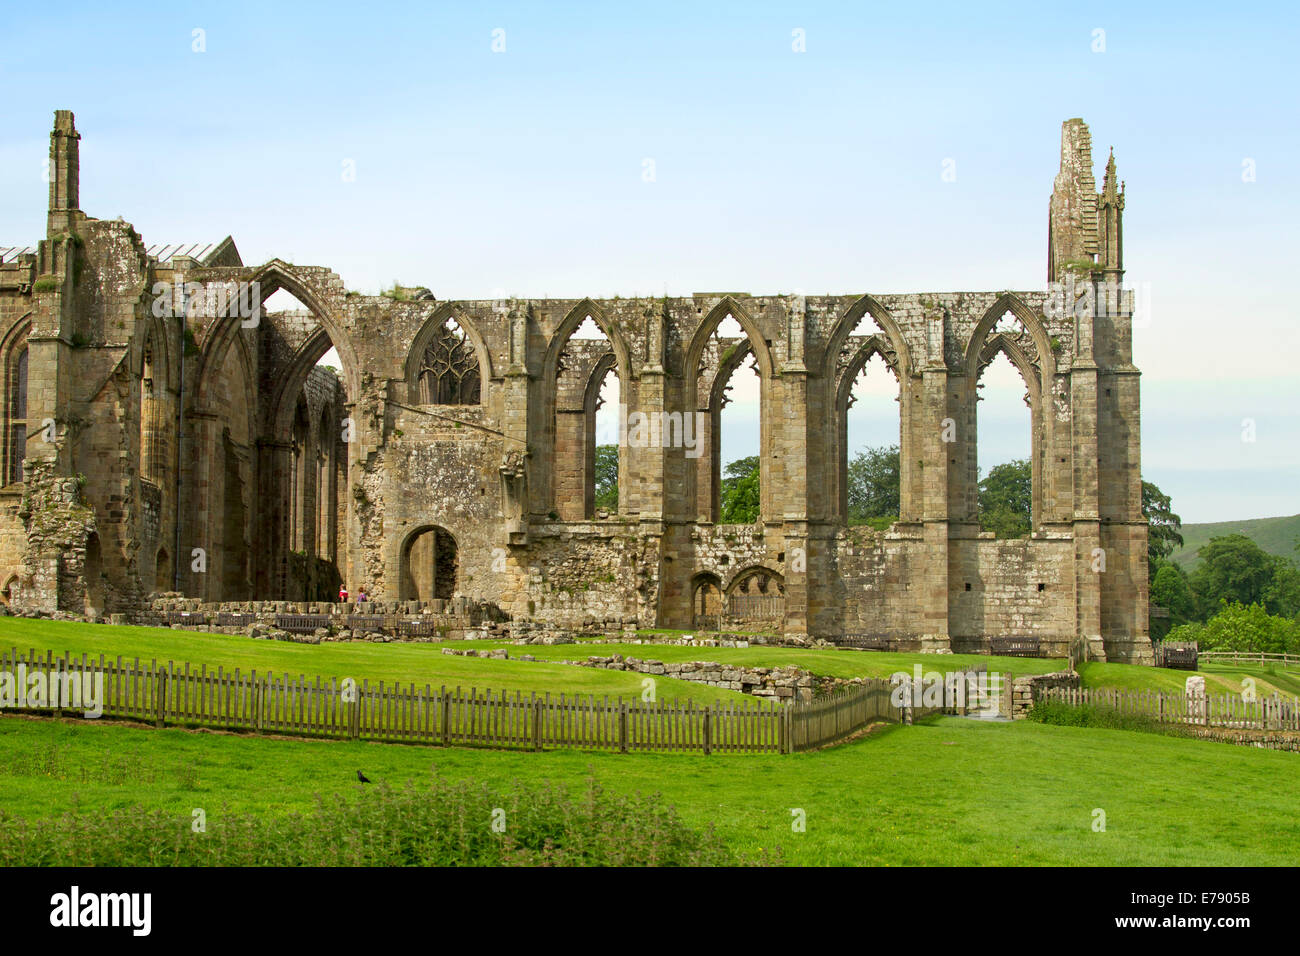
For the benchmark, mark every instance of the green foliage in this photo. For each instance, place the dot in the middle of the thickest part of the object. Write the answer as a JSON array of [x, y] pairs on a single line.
[[739, 492], [1084, 265], [46, 284], [1163, 526], [446, 823], [1234, 568], [1006, 497], [1274, 535], [607, 477], [1170, 589], [1060, 714], [396, 292], [1238, 627], [873, 487]]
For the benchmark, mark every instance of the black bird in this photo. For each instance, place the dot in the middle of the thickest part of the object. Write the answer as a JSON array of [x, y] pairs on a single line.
[[362, 777]]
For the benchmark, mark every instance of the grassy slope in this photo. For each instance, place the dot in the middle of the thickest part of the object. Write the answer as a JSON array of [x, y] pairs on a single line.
[[950, 792], [425, 663], [405, 662], [1274, 535]]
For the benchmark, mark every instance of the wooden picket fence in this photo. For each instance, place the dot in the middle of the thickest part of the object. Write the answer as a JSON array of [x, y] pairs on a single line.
[[186, 695], [1212, 710]]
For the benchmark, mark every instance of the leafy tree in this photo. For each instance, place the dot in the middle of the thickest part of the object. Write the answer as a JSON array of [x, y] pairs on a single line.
[[1282, 596], [873, 486], [607, 477], [739, 491], [1170, 590], [1006, 497], [1163, 527], [1240, 627], [1232, 568]]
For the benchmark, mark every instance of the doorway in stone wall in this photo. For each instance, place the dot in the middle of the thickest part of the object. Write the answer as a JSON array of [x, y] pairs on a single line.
[[93, 577], [429, 566]]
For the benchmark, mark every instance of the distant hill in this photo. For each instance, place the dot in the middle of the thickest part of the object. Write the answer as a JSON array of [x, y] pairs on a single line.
[[1274, 535]]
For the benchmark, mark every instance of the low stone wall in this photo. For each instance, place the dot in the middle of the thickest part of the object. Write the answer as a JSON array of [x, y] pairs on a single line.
[[774, 683], [1265, 739], [1025, 688]]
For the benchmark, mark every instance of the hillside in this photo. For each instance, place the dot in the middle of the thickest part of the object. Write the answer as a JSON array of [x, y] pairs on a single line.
[[1274, 535]]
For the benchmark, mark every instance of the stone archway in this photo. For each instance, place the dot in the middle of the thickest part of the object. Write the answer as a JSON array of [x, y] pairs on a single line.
[[706, 601], [430, 564]]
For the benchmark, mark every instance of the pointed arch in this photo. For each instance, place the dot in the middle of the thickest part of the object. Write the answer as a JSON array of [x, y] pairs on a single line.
[[569, 324], [703, 474], [428, 331], [14, 363], [1035, 370], [1009, 302], [849, 321], [558, 472], [877, 344]]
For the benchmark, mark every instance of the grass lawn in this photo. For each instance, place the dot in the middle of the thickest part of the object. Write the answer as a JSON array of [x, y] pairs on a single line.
[[425, 663], [951, 791], [405, 662]]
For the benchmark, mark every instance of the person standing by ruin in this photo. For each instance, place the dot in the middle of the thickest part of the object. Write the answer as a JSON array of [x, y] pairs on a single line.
[[343, 594]]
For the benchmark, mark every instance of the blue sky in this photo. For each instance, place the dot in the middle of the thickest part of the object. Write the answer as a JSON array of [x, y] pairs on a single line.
[[522, 171]]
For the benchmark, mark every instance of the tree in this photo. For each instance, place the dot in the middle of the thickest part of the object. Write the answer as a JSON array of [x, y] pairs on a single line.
[[1006, 498], [1238, 627], [1163, 527], [873, 486], [739, 492], [1232, 568], [1170, 590], [607, 477]]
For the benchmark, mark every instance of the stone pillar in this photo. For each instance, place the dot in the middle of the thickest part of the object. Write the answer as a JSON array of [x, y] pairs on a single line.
[[1089, 558], [931, 456]]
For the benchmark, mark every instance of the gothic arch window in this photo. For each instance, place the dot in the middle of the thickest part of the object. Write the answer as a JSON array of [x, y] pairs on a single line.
[[588, 444], [15, 450], [1007, 419], [449, 371], [869, 432], [724, 482]]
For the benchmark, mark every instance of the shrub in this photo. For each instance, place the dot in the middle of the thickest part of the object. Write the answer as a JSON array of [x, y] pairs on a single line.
[[1060, 714], [447, 823]]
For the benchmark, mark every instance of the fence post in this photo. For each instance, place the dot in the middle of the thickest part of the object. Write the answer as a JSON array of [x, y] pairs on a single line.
[[354, 714], [55, 685], [622, 726], [537, 722], [160, 697], [445, 704], [708, 729]]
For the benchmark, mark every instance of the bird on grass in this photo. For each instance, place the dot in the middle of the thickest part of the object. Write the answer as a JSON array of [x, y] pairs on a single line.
[[362, 777]]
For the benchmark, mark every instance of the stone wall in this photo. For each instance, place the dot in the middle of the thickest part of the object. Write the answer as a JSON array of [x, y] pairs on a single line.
[[504, 481], [1026, 688], [775, 683]]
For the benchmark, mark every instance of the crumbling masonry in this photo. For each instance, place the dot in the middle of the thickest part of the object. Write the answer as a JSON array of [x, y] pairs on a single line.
[[163, 432]]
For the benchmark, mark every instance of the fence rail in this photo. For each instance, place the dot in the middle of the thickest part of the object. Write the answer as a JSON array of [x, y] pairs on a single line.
[[1223, 710], [1250, 657], [188, 695]]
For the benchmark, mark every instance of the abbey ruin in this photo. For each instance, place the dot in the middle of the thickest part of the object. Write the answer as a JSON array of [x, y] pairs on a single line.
[[164, 433]]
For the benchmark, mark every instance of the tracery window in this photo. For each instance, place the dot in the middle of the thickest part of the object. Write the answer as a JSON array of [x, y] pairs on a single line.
[[449, 372]]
